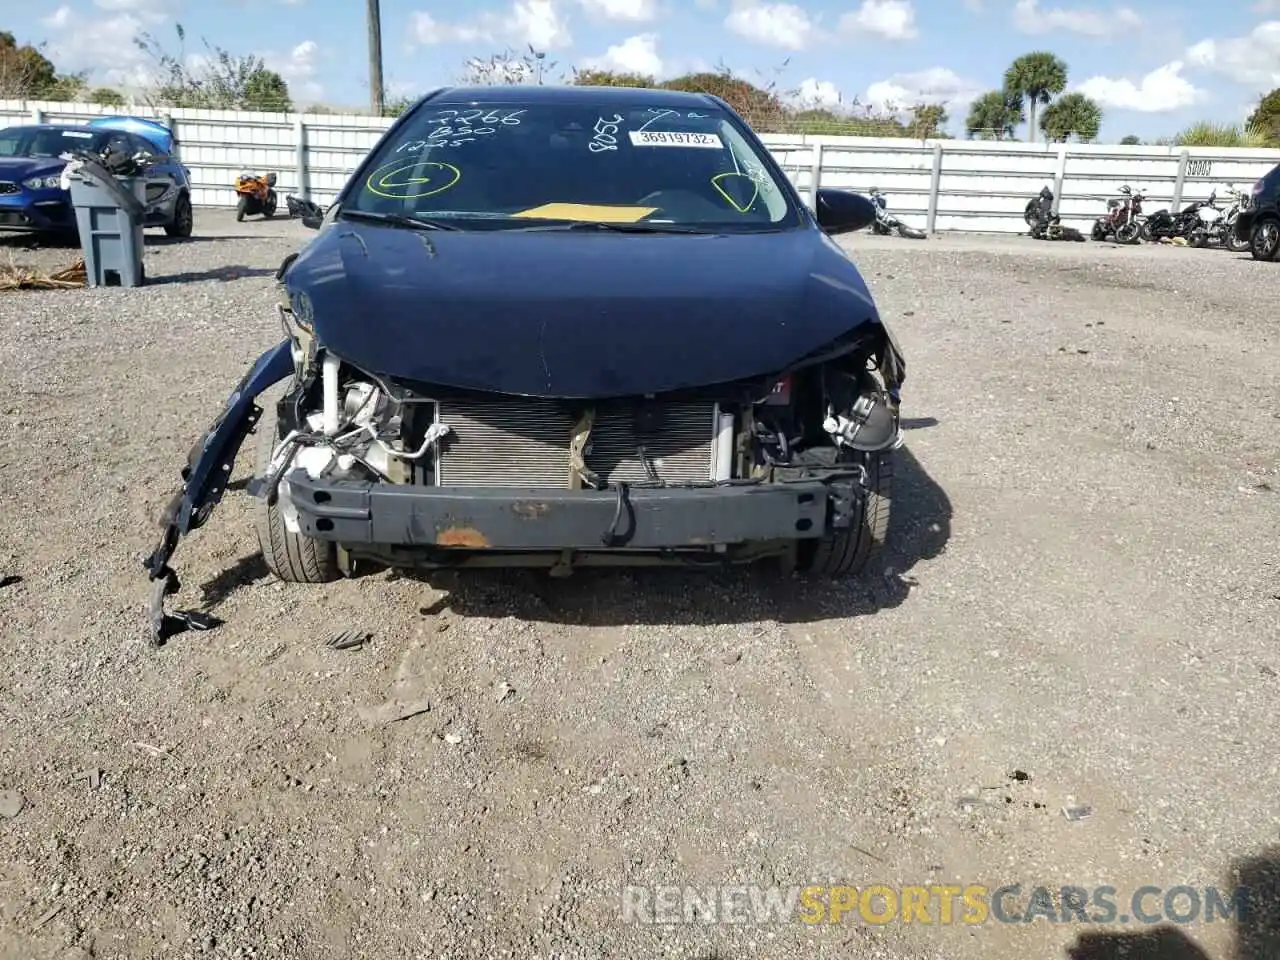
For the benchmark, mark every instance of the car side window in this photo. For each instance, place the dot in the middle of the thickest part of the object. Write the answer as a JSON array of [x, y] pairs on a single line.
[[120, 142], [143, 145]]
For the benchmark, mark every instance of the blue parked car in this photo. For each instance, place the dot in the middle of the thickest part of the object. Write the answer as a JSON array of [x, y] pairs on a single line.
[[564, 326], [33, 201]]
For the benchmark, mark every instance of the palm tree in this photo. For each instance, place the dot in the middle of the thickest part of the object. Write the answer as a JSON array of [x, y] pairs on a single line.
[[995, 114], [1071, 113], [1039, 76]]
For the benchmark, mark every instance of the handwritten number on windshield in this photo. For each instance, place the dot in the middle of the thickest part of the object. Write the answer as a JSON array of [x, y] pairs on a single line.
[[606, 134], [456, 127]]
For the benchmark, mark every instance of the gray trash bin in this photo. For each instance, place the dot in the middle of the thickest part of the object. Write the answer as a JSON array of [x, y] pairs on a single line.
[[110, 237]]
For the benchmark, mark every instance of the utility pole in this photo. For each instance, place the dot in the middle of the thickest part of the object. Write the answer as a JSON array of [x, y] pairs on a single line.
[[375, 57]]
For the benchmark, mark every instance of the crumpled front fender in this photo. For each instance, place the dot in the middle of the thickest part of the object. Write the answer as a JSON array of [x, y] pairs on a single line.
[[207, 471]]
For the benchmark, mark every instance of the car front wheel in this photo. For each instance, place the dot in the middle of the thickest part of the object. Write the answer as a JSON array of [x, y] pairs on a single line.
[[1265, 240], [846, 552], [293, 557], [183, 218]]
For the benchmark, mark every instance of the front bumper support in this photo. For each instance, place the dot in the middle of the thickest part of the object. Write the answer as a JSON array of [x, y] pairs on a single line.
[[503, 518]]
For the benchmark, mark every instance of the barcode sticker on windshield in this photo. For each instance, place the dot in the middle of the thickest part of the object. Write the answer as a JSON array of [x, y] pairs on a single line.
[[674, 138]]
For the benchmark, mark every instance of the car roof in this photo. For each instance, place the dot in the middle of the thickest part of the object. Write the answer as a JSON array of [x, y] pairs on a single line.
[[73, 127], [529, 93]]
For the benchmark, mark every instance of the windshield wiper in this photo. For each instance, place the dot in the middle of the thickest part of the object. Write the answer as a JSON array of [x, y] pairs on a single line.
[[617, 227], [398, 220]]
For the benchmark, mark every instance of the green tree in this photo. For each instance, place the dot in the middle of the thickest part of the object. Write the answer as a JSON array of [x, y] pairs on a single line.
[[266, 91], [994, 115], [927, 120], [762, 108], [1072, 113], [1206, 133], [508, 67], [611, 78], [106, 97], [219, 80], [1038, 76], [1130, 141], [27, 74], [394, 106], [1266, 118]]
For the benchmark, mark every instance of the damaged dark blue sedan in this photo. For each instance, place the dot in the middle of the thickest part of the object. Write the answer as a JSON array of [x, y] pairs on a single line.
[[561, 327]]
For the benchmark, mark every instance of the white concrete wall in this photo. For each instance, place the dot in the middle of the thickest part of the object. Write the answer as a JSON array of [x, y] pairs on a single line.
[[949, 184]]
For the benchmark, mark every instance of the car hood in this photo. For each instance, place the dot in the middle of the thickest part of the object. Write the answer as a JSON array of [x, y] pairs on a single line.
[[570, 314], [18, 169]]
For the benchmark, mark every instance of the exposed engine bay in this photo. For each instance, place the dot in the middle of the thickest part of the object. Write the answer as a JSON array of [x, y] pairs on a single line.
[[346, 424]]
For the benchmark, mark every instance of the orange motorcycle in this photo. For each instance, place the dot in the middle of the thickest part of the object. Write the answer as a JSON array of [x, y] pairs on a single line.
[[257, 195]]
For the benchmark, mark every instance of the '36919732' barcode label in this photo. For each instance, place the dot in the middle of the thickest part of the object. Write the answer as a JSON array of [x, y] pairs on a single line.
[[660, 138]]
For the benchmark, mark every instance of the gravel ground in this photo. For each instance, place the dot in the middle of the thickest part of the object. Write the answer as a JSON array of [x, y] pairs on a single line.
[[1083, 586]]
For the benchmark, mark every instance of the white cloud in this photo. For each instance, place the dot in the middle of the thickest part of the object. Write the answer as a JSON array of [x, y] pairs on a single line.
[[1029, 17], [937, 85], [1160, 91], [633, 11], [299, 69], [890, 19], [57, 20], [1253, 59], [637, 54], [428, 30], [104, 46], [775, 24], [534, 22], [818, 93]]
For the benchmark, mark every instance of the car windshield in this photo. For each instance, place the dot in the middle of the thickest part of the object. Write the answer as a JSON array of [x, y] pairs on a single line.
[[44, 142], [526, 164]]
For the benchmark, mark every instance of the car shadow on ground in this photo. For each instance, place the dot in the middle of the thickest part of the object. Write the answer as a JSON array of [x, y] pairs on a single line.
[[1257, 925], [225, 274], [162, 240], [919, 527]]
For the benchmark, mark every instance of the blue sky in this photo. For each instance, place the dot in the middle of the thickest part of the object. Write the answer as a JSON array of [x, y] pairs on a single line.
[[1155, 66]]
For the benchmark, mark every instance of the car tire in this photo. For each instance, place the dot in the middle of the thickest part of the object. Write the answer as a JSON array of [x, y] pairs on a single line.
[[846, 552], [293, 557], [1264, 240], [183, 218]]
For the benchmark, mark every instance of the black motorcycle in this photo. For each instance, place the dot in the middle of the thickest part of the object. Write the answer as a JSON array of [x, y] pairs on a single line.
[[1163, 225], [1044, 223], [886, 223]]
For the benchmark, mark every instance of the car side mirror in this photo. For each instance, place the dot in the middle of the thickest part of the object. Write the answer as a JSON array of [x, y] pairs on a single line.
[[842, 211]]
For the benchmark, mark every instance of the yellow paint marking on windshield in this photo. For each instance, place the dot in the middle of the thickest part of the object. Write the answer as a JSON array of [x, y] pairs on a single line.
[[586, 211], [393, 180], [755, 190]]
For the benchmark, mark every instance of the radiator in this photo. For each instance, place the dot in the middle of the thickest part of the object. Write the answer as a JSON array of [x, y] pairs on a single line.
[[515, 442]]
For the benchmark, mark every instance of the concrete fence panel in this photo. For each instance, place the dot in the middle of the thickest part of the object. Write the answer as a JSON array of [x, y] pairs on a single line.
[[941, 185]]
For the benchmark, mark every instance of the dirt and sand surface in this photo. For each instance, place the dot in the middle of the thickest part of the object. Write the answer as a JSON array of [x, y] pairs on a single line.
[[1083, 586]]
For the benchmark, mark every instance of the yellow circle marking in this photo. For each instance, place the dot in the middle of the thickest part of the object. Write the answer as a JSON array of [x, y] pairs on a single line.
[[755, 191], [393, 180]]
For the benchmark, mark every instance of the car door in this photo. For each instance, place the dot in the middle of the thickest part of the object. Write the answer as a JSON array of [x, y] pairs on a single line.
[[160, 182]]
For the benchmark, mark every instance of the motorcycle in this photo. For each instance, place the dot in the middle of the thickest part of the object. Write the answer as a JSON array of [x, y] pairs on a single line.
[[1163, 225], [1123, 219], [257, 195], [1226, 224], [886, 223], [1044, 223]]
